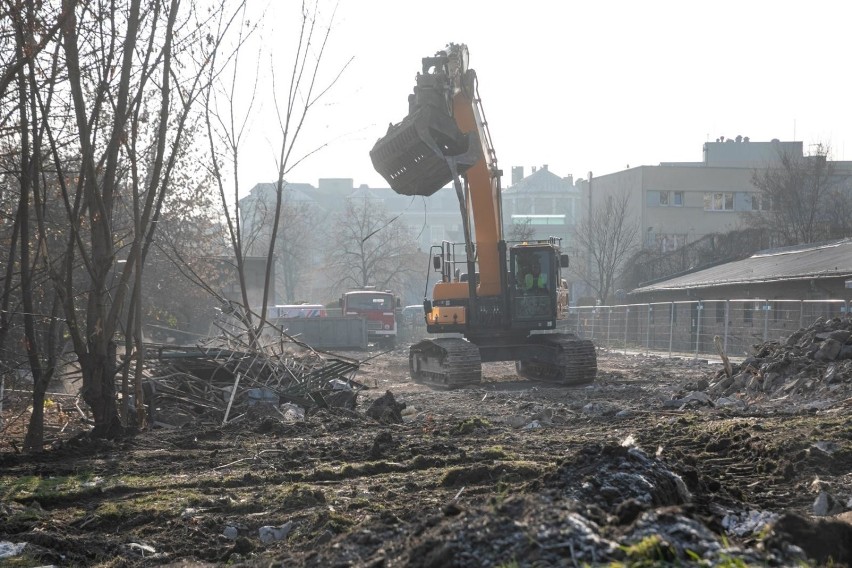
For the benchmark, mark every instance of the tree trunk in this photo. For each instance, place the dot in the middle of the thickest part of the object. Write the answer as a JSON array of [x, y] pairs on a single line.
[[99, 370]]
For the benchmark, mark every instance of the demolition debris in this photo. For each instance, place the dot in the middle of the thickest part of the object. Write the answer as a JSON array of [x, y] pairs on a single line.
[[218, 385]]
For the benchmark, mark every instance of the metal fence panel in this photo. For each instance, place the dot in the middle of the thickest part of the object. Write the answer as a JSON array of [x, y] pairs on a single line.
[[694, 328]]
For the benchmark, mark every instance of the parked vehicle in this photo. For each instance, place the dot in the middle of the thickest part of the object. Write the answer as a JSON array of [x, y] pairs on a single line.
[[297, 311], [413, 315], [378, 308]]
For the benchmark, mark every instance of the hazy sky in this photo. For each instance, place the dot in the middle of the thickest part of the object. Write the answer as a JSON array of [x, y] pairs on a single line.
[[580, 86]]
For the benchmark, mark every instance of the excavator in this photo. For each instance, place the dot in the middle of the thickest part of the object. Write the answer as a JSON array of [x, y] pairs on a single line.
[[496, 300]]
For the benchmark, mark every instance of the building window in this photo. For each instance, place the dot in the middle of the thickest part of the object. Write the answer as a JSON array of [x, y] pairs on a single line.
[[748, 313], [720, 312], [669, 198], [437, 233], [720, 201], [760, 202]]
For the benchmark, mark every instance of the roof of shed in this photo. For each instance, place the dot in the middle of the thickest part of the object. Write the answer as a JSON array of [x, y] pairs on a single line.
[[820, 260]]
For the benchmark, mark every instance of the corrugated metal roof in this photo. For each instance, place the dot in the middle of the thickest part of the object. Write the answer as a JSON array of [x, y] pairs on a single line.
[[823, 260]]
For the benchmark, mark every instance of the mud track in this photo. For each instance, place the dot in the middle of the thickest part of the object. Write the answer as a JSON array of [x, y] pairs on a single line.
[[510, 473]]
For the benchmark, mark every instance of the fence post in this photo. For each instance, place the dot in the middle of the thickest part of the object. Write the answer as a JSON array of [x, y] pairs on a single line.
[[699, 309], [579, 315], [766, 308], [594, 317], [727, 318], [626, 319], [648, 331], [608, 323], [671, 328], [801, 314]]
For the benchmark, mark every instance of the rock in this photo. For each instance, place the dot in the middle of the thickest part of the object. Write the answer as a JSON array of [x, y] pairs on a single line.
[[342, 399], [292, 412], [729, 402], [840, 335], [829, 350], [269, 534], [794, 338], [386, 409], [11, 549], [699, 385], [231, 533], [824, 504], [516, 421], [599, 409], [822, 541], [747, 522]]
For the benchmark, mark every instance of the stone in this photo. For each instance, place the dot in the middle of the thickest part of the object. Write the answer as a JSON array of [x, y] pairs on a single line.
[[269, 534], [231, 533], [829, 350]]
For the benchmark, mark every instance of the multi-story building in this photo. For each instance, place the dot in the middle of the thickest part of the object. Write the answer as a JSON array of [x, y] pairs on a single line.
[[675, 203], [543, 202]]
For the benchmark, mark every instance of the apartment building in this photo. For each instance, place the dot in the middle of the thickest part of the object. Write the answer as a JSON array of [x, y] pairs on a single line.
[[675, 203]]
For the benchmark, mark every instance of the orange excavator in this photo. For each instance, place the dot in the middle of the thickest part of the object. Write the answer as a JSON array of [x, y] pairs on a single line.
[[504, 305]]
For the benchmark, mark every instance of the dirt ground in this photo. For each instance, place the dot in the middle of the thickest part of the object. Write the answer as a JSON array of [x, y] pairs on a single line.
[[633, 470]]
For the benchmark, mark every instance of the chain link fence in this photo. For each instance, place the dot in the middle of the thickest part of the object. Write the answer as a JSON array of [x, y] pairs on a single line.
[[691, 328]]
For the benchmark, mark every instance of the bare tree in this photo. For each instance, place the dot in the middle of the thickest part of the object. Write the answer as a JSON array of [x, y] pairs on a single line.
[[368, 248], [37, 307], [802, 199], [296, 237], [111, 127], [228, 127], [608, 239], [520, 232]]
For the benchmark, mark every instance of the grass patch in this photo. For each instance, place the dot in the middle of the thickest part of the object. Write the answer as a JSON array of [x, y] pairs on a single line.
[[508, 472], [498, 453], [472, 425], [297, 497]]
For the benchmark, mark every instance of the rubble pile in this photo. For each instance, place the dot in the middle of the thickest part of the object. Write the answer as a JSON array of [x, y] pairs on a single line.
[[812, 366], [221, 385]]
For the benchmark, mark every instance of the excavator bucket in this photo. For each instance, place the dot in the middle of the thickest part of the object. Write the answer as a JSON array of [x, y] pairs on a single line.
[[416, 156]]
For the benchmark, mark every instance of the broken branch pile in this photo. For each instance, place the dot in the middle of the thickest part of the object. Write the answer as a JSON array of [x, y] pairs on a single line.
[[220, 385]]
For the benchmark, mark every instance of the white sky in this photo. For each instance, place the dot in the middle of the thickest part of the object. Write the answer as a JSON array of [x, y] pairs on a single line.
[[579, 85]]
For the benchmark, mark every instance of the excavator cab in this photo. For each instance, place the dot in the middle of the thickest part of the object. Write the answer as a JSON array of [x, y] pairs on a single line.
[[535, 273]]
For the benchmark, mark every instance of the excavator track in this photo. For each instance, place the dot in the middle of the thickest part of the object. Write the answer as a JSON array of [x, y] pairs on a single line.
[[576, 361], [445, 362]]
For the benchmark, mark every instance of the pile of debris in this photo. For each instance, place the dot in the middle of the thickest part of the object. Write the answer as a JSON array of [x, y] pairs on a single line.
[[812, 365], [218, 385]]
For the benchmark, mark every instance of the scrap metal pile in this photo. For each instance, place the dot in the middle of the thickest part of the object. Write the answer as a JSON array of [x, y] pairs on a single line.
[[219, 384]]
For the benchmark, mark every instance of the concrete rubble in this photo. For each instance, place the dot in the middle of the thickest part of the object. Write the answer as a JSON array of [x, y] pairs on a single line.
[[809, 370]]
